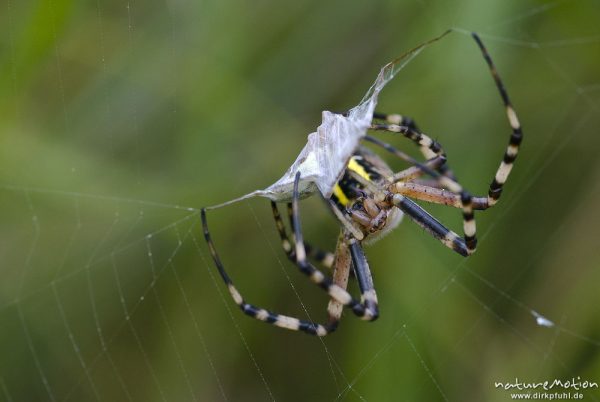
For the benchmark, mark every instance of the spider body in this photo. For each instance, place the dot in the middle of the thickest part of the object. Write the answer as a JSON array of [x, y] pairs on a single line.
[[355, 194], [369, 201]]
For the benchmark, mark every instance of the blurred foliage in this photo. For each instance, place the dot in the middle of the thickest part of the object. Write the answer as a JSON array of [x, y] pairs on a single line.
[[114, 113]]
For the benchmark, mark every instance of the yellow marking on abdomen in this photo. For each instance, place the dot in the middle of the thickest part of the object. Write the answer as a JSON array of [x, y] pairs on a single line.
[[339, 194], [357, 168]]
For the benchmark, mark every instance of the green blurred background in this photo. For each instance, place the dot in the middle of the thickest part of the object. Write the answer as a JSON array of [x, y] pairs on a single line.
[[117, 117]]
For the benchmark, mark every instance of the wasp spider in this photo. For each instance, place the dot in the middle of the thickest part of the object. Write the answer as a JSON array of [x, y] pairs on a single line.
[[369, 201]]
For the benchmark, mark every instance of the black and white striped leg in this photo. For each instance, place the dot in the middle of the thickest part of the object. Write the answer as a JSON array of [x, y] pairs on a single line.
[[325, 258], [406, 126], [279, 320], [336, 292], [516, 136], [430, 224], [503, 171], [368, 296], [466, 199], [429, 147], [397, 119]]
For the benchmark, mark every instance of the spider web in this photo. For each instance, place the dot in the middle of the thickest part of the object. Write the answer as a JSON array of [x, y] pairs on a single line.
[[113, 134]]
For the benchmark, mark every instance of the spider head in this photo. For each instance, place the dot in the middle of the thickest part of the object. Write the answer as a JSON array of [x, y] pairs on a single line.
[[368, 214]]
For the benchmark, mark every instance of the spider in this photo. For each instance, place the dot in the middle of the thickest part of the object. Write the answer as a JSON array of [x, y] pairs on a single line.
[[369, 201]]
